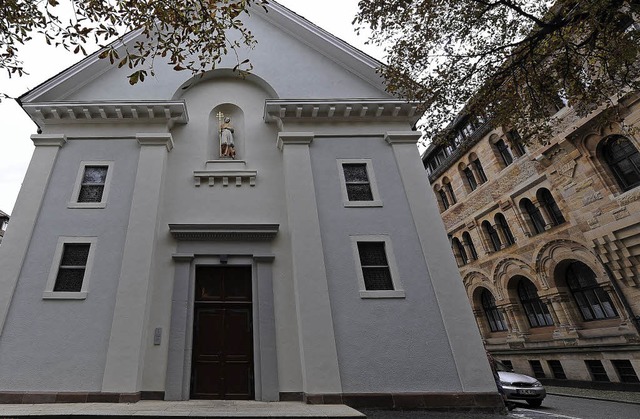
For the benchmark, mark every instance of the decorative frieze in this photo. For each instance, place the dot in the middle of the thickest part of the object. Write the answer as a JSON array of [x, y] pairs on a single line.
[[620, 213], [591, 197]]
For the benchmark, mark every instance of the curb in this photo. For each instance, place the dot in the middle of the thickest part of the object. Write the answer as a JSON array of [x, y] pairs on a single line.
[[592, 398]]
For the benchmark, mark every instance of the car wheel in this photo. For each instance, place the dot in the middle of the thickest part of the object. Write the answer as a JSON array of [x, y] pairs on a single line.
[[534, 403]]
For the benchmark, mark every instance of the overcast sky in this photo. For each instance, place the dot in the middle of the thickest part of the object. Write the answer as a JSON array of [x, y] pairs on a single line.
[[44, 62]]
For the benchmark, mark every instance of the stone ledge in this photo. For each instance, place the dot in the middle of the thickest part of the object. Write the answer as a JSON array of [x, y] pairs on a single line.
[[25, 397]]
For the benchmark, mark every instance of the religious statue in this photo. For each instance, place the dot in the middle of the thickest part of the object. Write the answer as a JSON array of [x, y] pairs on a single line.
[[227, 146]]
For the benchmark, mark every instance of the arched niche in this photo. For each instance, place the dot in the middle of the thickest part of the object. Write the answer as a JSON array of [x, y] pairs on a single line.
[[216, 117]]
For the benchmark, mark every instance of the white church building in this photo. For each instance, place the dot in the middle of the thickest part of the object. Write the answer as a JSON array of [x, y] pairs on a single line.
[[268, 238]]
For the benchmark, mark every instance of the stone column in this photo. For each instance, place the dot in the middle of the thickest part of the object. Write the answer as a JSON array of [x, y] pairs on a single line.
[[622, 313], [467, 249], [125, 353], [320, 370], [556, 305], [480, 316], [25, 215], [501, 235], [545, 214]]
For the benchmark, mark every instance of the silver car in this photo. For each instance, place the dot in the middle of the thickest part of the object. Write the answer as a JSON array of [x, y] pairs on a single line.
[[520, 386]]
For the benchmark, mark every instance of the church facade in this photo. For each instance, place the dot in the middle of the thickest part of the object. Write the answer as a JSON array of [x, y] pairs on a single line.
[[264, 238]]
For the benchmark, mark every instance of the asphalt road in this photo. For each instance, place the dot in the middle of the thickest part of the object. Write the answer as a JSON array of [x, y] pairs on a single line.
[[553, 407]]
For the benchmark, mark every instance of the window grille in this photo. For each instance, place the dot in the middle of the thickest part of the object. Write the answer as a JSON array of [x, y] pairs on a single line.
[[625, 371], [92, 186], [597, 371], [357, 182], [375, 267], [537, 369], [72, 267], [556, 368]]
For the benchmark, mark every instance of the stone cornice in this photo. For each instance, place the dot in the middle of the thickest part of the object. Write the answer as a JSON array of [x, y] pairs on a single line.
[[224, 232], [155, 112], [49, 140], [340, 110]]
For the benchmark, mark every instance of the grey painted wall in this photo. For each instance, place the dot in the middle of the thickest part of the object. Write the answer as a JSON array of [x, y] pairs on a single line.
[[384, 345], [61, 344]]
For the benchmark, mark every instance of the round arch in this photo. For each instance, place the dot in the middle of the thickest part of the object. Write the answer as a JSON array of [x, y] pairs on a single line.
[[557, 254]]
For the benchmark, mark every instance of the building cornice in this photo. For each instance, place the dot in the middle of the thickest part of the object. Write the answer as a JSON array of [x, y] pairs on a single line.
[[154, 112], [337, 110], [224, 232]]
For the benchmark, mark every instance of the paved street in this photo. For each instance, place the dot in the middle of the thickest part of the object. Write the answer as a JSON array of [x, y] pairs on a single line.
[[560, 407]]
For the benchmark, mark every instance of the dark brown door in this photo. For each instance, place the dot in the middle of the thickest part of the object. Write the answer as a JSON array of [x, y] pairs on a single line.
[[222, 364]]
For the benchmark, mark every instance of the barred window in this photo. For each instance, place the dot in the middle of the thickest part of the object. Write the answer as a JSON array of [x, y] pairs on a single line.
[[357, 181], [377, 271], [596, 369], [72, 267], [625, 371], [375, 268]]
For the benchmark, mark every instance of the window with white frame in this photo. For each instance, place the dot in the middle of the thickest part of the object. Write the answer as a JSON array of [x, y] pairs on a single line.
[[70, 269], [92, 185], [359, 187], [376, 267]]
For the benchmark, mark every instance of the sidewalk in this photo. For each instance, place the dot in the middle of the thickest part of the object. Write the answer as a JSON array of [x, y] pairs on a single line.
[[614, 396], [182, 409]]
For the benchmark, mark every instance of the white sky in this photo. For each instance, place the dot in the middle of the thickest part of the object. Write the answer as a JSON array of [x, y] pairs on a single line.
[[43, 62]]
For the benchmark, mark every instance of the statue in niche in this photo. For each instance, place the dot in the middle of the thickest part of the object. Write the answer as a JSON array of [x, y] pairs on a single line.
[[227, 146]]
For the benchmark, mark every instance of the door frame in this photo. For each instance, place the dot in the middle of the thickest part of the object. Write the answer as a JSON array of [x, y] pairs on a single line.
[[265, 365]]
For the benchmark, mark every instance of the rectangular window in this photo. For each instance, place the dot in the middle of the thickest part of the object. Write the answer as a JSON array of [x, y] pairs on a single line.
[[597, 371], [536, 367], [376, 268], [92, 185], [359, 188], [625, 371], [556, 368], [71, 267]]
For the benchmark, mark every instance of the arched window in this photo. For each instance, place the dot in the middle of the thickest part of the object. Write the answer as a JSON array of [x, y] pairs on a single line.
[[624, 161], [507, 158], [501, 223], [516, 142], [479, 170], [458, 251], [593, 301], [466, 238], [537, 221], [535, 310], [442, 198], [494, 317], [447, 186], [471, 180], [492, 234], [546, 199]]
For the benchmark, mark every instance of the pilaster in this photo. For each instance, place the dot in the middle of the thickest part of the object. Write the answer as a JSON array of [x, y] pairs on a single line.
[[25, 214], [320, 370], [125, 354], [464, 338]]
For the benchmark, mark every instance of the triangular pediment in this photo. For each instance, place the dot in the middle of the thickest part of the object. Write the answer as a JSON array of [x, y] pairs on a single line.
[[293, 56]]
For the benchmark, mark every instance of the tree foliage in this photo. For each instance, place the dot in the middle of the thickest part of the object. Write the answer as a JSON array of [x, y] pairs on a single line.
[[515, 61], [193, 34]]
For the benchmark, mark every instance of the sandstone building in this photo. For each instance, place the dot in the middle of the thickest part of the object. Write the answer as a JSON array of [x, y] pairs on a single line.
[[547, 241]]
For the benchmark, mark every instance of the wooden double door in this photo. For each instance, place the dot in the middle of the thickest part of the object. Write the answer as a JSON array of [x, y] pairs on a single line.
[[222, 361]]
